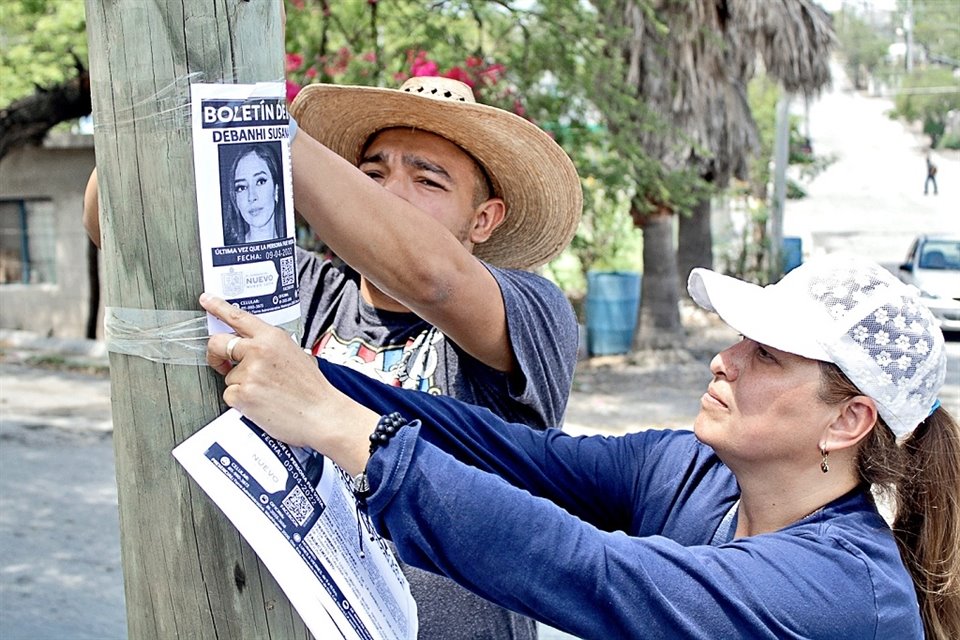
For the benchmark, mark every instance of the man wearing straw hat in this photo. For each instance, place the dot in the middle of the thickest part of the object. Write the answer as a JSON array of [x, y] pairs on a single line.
[[464, 200], [440, 208]]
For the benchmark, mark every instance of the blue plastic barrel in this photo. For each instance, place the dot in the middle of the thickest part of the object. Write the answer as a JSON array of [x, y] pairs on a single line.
[[613, 298], [792, 253]]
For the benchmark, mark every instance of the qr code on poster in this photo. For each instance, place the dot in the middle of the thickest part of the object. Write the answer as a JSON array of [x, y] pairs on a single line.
[[297, 506], [286, 272]]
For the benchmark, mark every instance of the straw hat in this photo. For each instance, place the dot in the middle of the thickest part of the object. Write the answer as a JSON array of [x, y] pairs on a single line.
[[527, 168]]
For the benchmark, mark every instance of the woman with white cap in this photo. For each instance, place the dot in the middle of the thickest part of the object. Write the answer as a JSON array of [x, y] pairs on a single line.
[[759, 523]]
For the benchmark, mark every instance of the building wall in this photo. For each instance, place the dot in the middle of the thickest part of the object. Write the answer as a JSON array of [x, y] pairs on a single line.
[[58, 172]]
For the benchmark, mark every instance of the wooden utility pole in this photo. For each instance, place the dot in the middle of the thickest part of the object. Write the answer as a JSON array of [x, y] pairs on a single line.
[[187, 572]]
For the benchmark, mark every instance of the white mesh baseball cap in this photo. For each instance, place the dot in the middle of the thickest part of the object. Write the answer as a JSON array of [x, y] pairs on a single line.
[[847, 310]]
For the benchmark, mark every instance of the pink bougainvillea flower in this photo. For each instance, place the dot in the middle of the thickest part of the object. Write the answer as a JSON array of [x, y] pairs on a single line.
[[292, 90], [492, 74], [311, 73], [519, 109], [425, 68], [297, 3], [457, 73], [473, 61], [420, 65], [294, 61], [369, 56], [415, 56], [339, 64]]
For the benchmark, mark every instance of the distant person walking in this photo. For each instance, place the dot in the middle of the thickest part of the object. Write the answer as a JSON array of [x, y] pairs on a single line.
[[931, 176]]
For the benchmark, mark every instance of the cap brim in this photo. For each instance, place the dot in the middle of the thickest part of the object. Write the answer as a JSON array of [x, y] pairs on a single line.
[[758, 313], [532, 173]]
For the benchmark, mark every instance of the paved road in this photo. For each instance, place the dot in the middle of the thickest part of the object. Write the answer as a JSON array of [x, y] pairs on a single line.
[[871, 199], [60, 574]]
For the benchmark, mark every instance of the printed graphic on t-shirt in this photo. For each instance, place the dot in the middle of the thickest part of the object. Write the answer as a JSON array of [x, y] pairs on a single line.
[[411, 365]]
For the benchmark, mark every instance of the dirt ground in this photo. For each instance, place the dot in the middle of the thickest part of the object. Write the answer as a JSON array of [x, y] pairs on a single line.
[[648, 388]]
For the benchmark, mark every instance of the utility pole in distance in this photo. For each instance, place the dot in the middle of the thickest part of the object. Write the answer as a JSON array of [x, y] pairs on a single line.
[[781, 157], [908, 28], [187, 572]]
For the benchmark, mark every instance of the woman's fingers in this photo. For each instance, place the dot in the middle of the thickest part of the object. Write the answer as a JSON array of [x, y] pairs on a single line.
[[268, 377], [217, 356], [245, 324], [224, 350], [231, 396]]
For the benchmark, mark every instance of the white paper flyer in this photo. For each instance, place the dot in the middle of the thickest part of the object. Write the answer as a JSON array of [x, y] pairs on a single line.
[[241, 155], [295, 510]]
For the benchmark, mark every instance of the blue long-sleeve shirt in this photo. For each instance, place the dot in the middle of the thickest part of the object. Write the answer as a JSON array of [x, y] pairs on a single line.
[[614, 537]]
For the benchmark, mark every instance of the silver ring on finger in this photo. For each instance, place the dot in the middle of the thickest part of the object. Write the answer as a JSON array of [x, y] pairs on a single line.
[[230, 346]]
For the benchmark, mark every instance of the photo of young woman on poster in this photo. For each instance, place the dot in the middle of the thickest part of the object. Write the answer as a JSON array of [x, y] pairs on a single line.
[[251, 183]]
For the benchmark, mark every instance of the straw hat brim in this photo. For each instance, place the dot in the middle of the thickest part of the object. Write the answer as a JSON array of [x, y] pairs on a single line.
[[528, 169]]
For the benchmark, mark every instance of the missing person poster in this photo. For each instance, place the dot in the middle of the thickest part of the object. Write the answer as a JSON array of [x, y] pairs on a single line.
[[293, 507], [241, 157]]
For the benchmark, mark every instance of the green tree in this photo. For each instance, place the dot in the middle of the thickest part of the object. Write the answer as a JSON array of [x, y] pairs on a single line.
[[43, 77], [663, 78], [684, 65], [41, 42], [931, 91], [929, 95], [532, 59], [647, 96], [936, 29], [863, 46]]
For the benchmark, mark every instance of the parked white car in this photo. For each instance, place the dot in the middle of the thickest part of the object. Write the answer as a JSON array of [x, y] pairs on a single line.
[[933, 266]]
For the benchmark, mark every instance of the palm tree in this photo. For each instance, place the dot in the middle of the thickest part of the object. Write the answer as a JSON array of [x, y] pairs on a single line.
[[686, 65]]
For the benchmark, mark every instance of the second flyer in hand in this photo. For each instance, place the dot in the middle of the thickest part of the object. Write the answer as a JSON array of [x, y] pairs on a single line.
[[245, 199]]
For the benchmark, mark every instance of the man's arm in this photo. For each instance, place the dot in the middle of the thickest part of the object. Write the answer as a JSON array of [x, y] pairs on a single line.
[[91, 209], [402, 251]]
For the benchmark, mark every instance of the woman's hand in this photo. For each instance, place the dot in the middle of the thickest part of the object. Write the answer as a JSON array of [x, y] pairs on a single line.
[[273, 382]]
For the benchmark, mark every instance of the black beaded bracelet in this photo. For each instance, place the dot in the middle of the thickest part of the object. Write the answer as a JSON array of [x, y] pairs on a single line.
[[387, 427]]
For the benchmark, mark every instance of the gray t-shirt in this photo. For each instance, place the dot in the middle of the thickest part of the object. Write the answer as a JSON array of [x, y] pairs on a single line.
[[404, 350]]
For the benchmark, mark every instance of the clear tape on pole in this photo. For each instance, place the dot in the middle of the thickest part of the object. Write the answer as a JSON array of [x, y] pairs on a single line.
[[166, 110], [165, 336]]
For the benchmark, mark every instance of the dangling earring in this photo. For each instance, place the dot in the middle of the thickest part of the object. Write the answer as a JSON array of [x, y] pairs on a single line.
[[823, 462]]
